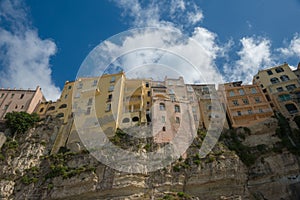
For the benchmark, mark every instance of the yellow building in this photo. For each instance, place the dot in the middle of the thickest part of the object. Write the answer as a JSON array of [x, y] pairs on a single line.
[[210, 105], [136, 103], [245, 104], [281, 88], [62, 108]]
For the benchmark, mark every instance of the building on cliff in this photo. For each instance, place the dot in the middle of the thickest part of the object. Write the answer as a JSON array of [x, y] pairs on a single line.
[[245, 104], [281, 88], [20, 100]]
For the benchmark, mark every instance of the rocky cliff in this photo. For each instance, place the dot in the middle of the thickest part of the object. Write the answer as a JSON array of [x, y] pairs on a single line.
[[255, 163]]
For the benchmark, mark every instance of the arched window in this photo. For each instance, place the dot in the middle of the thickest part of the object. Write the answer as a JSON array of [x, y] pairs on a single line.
[[284, 78], [126, 120], [274, 80], [279, 69], [163, 128], [59, 115], [51, 108], [63, 106], [135, 119], [42, 109], [177, 108], [291, 108], [162, 106]]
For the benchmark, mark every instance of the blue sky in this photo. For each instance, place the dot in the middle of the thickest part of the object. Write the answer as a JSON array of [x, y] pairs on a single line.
[[44, 42]]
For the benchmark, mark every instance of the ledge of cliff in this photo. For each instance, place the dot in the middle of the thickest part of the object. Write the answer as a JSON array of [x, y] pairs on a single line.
[[260, 162]]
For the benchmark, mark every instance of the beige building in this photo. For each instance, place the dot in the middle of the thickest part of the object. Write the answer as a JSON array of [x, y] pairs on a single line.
[[210, 106], [245, 104], [281, 88], [19, 100]]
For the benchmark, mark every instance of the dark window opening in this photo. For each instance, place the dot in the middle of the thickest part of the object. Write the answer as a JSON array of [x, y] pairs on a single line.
[[126, 120], [135, 119]]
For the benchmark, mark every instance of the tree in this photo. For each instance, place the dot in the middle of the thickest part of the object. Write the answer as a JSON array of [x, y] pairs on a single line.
[[19, 122]]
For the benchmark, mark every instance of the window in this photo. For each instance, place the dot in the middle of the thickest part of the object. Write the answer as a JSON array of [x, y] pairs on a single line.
[[51, 108], [163, 119], [22, 106], [2, 95], [42, 109], [195, 118], [177, 108], [162, 106], [279, 69], [279, 89], [70, 87], [269, 72], [245, 101], [90, 101], [148, 103], [257, 77], [59, 115], [66, 96], [147, 84], [242, 92], [171, 91], [88, 111], [5, 107], [135, 119], [239, 113], [209, 107], [113, 79], [63, 106], [172, 97], [274, 80], [235, 102], [22, 95], [249, 112], [12, 95], [257, 99], [231, 93], [16, 107], [109, 97], [95, 83], [108, 107], [260, 110], [163, 128], [261, 85], [77, 95], [291, 108], [290, 87], [111, 88], [177, 120], [190, 88], [284, 78], [126, 120], [284, 97], [148, 93], [80, 86]]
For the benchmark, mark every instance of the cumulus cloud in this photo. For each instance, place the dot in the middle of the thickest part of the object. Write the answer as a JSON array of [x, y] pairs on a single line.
[[293, 48], [255, 54], [163, 50], [24, 56]]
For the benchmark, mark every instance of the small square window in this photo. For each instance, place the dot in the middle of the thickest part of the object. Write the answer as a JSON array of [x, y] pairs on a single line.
[[108, 107], [253, 90], [111, 88], [239, 113], [113, 79], [177, 120], [231, 93], [269, 72]]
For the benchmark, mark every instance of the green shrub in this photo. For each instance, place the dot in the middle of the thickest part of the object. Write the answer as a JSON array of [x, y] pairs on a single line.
[[20, 122]]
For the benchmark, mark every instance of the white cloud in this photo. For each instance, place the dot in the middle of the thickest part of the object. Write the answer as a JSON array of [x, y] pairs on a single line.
[[293, 49], [255, 54], [170, 52], [24, 56]]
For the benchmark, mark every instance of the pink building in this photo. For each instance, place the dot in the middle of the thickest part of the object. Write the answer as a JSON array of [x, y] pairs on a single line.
[[19, 100], [172, 110]]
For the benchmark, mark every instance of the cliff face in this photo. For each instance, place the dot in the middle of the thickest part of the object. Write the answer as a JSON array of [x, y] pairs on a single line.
[[28, 171]]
